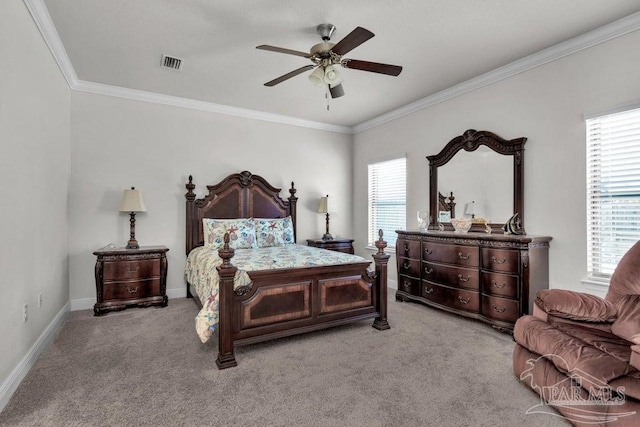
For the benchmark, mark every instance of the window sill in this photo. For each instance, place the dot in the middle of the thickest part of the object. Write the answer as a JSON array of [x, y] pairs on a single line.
[[598, 284]]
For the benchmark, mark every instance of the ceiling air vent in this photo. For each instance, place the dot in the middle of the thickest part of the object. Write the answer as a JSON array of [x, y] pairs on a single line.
[[171, 62]]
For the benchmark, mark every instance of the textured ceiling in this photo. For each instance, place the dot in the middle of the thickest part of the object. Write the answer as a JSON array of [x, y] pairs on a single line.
[[440, 43]]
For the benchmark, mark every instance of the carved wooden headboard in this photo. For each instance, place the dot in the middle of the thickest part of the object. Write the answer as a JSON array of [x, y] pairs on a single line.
[[240, 195]]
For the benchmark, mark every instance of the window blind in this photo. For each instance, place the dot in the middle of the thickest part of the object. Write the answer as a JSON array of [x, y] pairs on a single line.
[[387, 199], [613, 189]]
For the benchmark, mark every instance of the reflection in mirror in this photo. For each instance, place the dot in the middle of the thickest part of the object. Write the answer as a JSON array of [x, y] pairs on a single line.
[[484, 172], [482, 182]]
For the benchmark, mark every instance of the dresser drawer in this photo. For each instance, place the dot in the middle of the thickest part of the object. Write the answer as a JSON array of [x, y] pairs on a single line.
[[456, 298], [410, 285], [132, 290], [506, 310], [503, 260], [453, 276], [467, 256], [408, 248], [134, 269], [500, 284], [409, 267]]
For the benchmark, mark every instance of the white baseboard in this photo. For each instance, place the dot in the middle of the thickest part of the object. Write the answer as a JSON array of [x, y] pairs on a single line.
[[87, 303], [20, 371]]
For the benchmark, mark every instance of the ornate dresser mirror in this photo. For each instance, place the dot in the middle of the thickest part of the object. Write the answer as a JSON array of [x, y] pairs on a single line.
[[484, 174]]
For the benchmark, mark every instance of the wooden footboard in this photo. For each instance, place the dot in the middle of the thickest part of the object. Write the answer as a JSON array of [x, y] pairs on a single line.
[[294, 301]]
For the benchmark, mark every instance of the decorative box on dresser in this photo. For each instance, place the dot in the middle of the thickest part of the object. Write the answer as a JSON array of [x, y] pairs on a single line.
[[490, 277], [336, 244], [130, 278]]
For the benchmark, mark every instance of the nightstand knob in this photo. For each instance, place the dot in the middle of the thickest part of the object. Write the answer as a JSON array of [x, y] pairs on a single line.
[[132, 290], [133, 270]]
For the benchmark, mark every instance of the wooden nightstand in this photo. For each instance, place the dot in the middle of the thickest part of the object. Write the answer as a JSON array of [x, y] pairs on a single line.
[[338, 245], [130, 278]]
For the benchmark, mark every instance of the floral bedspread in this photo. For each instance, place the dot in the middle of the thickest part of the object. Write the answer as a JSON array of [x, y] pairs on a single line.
[[201, 273]]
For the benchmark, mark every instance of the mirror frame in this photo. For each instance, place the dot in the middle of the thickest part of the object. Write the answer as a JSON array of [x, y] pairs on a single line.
[[470, 140]]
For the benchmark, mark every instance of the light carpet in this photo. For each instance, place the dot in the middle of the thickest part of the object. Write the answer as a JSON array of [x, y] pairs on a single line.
[[147, 367]]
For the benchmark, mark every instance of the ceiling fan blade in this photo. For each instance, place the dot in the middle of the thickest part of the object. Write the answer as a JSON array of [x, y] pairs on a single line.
[[374, 67], [352, 40], [289, 75], [283, 50]]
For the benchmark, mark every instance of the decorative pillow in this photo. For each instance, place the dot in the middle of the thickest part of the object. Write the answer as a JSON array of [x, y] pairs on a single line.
[[242, 232], [274, 231]]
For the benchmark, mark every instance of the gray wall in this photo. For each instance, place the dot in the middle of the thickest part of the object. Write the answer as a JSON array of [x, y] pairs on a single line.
[[35, 103], [547, 105], [118, 143]]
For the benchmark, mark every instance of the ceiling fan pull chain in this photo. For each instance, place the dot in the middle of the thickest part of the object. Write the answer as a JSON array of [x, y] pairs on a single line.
[[326, 96]]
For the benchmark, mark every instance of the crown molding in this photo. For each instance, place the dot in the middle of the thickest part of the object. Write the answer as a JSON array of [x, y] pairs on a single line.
[[175, 101], [42, 19], [595, 37]]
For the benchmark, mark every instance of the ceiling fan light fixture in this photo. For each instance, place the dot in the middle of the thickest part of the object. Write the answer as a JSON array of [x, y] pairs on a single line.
[[317, 77], [331, 76], [336, 90]]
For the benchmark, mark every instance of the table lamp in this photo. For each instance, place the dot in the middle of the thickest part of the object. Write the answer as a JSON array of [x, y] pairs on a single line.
[[323, 208], [132, 202]]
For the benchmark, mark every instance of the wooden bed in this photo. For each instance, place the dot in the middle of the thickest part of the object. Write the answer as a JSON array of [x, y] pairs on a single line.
[[282, 302]]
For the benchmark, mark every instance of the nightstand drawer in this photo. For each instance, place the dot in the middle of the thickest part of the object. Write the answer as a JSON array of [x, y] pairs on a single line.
[[124, 270], [132, 290]]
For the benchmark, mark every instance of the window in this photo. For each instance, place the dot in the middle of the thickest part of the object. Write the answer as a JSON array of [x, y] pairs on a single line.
[[613, 190], [387, 199]]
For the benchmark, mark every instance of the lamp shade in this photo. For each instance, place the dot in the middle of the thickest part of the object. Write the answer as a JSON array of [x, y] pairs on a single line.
[[323, 206], [331, 76], [317, 77], [132, 201]]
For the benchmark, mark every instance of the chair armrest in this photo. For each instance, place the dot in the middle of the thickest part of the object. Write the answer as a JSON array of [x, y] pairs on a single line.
[[635, 352], [575, 306]]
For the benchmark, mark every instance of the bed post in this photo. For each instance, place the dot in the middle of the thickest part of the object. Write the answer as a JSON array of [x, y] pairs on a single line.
[[227, 272], [191, 196], [293, 200], [381, 259]]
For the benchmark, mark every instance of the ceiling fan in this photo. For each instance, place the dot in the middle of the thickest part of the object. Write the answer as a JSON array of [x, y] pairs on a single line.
[[326, 55]]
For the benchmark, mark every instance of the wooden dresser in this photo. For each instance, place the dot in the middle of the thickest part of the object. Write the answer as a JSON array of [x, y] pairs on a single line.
[[490, 277], [130, 278]]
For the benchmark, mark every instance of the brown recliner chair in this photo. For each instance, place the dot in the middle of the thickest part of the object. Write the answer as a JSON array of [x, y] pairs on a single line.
[[581, 353]]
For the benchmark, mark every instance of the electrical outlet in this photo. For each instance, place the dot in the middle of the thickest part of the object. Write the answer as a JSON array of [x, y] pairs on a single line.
[[40, 300], [25, 313]]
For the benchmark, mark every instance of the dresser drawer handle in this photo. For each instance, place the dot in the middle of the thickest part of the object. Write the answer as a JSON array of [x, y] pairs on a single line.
[[463, 256], [406, 283], [428, 290], [463, 278], [133, 270], [497, 261], [428, 251], [132, 290], [428, 270], [464, 301], [406, 248], [498, 310], [406, 265], [495, 285]]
